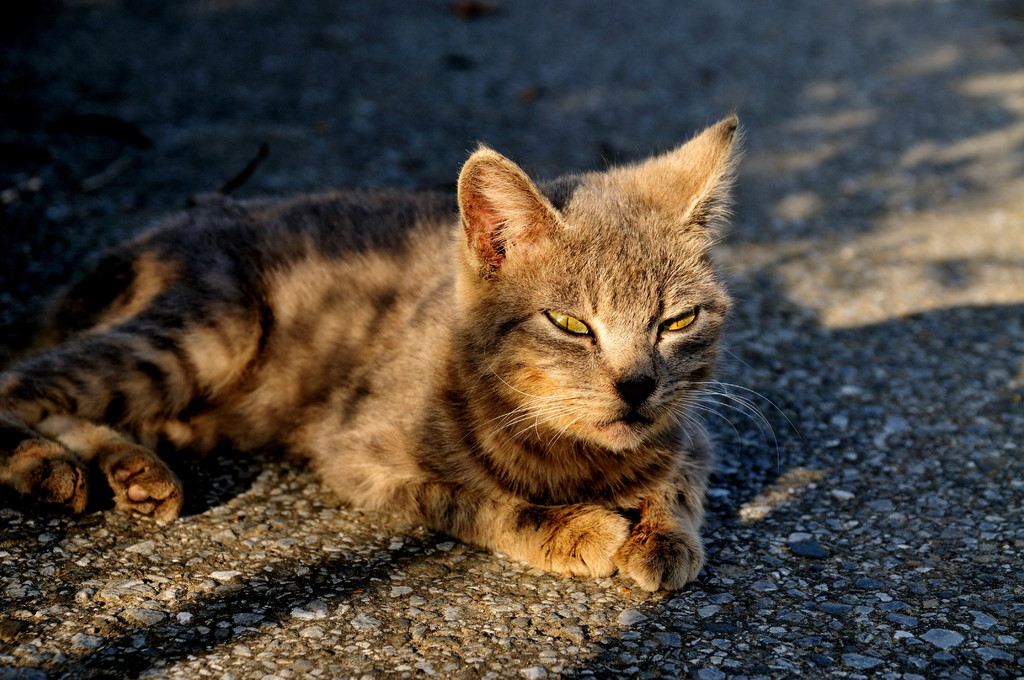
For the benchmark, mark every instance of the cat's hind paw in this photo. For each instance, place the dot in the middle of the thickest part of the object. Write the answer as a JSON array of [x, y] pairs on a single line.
[[660, 557], [45, 473], [142, 483]]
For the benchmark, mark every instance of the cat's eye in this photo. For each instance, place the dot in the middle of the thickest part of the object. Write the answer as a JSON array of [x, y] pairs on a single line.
[[568, 323], [680, 322]]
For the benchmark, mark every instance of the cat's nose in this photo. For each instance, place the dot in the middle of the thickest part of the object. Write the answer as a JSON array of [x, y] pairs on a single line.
[[635, 389]]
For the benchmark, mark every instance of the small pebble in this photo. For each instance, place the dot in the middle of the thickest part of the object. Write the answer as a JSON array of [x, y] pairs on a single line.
[[87, 641], [142, 548], [225, 576], [983, 620], [225, 536], [868, 583], [992, 654], [630, 616], [860, 661], [908, 621], [710, 674], [365, 622], [820, 660], [313, 610], [574, 633], [834, 607], [808, 548], [669, 639], [144, 617], [943, 638], [246, 619]]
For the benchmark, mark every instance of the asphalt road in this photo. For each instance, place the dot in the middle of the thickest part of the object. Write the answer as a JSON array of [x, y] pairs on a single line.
[[867, 517]]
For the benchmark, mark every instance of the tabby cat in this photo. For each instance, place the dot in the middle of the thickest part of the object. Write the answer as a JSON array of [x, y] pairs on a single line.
[[518, 377]]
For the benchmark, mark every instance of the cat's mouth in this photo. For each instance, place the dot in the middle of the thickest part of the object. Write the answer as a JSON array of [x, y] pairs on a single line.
[[633, 418], [625, 430]]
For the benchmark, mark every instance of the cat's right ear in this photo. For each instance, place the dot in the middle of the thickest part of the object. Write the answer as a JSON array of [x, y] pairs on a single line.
[[503, 214]]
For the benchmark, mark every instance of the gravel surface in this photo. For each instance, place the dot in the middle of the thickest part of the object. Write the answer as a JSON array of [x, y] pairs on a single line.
[[867, 517]]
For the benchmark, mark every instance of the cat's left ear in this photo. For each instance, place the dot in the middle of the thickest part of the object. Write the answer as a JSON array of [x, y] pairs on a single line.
[[692, 183], [503, 214]]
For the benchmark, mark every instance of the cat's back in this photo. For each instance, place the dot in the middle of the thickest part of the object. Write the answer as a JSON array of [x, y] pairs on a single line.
[[340, 222], [284, 253], [348, 266], [338, 226]]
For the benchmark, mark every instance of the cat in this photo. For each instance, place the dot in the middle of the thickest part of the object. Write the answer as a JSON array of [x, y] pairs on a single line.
[[512, 365]]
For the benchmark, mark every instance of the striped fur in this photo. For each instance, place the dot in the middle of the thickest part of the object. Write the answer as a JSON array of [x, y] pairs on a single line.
[[400, 343]]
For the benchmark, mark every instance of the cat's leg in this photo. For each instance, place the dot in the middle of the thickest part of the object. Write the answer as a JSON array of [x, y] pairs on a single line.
[[142, 483], [664, 548], [142, 372], [578, 539], [41, 469]]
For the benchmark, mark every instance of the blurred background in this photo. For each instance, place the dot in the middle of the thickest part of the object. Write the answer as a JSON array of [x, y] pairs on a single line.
[[859, 115]]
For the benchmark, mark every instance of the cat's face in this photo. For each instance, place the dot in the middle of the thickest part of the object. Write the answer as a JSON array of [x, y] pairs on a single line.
[[597, 319], [607, 331]]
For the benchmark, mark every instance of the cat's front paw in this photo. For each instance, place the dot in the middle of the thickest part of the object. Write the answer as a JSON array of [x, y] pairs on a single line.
[[661, 557], [582, 540], [46, 473], [142, 483]]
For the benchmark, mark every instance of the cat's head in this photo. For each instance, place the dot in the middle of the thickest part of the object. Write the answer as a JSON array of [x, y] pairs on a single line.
[[589, 309]]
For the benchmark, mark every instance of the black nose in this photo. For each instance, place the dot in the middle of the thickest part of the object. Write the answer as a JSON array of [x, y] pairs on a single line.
[[635, 389]]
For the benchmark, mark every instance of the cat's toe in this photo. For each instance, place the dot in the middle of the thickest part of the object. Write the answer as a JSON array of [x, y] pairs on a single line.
[[144, 485], [66, 485], [45, 473], [661, 558]]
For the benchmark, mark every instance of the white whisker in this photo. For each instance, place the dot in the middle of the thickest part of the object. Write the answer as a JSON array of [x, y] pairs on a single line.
[[724, 390], [721, 397], [745, 408], [706, 409], [564, 430], [538, 422]]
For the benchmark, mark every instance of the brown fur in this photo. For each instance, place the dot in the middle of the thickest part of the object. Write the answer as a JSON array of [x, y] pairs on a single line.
[[408, 355]]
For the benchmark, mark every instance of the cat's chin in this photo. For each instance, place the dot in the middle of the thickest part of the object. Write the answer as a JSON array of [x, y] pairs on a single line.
[[620, 434]]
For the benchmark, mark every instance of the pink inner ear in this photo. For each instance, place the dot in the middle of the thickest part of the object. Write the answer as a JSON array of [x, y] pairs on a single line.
[[502, 212], [484, 227]]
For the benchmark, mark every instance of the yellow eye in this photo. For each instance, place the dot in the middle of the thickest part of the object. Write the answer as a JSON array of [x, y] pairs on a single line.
[[681, 321], [568, 323]]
